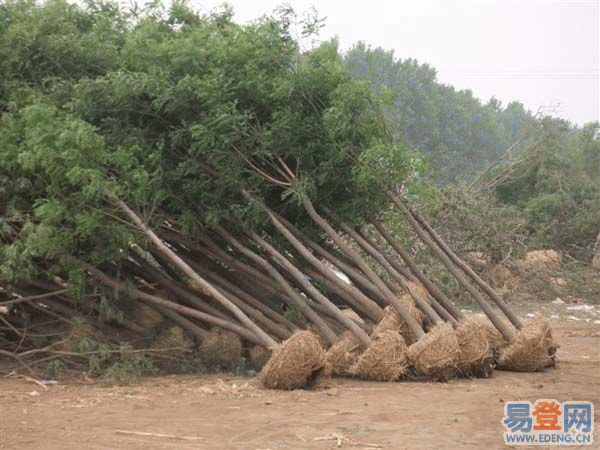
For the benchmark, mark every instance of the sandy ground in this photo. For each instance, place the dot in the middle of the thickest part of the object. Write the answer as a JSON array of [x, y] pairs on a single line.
[[223, 412]]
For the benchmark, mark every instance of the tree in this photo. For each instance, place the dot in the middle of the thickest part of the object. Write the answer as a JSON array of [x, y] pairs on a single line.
[[187, 115], [550, 183], [452, 129], [200, 166]]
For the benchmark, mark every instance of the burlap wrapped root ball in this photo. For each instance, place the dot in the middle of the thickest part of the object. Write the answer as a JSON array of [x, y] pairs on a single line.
[[392, 320], [475, 357], [437, 353], [419, 290], [221, 348], [295, 363], [258, 356], [532, 350], [383, 360], [343, 354], [495, 339], [548, 259]]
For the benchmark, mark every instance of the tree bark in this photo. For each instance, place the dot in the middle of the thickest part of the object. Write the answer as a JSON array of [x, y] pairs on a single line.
[[160, 302], [355, 275], [378, 256], [153, 275], [355, 296], [181, 321]]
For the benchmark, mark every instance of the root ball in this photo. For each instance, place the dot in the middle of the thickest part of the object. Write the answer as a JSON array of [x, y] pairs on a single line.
[[295, 363], [384, 360]]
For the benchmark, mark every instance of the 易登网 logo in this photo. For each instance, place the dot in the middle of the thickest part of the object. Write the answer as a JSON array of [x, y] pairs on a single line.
[[548, 422]]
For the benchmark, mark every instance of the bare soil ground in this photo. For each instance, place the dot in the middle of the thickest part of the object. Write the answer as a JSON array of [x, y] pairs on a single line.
[[224, 412]]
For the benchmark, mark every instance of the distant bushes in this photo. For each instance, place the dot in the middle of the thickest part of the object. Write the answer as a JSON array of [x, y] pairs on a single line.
[[548, 196]]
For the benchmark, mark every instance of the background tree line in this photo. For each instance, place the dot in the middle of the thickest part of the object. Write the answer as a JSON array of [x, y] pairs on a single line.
[[544, 169]]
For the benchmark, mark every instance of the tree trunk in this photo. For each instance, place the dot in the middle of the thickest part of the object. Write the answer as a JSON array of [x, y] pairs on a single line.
[[506, 331], [355, 275], [200, 283], [378, 256], [465, 268], [411, 322], [312, 291], [160, 302], [443, 305], [153, 275], [354, 295], [360, 301], [181, 321], [293, 295]]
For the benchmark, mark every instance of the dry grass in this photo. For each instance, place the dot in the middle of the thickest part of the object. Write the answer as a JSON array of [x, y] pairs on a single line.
[[258, 356], [495, 339], [547, 259]]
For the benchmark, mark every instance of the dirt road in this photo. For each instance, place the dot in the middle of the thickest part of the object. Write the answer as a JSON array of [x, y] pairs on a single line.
[[222, 412]]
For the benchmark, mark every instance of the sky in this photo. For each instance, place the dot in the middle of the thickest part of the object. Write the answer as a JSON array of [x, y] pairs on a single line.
[[542, 53]]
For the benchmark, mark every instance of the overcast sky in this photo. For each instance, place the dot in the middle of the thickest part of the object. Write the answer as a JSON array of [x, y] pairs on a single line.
[[545, 54]]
